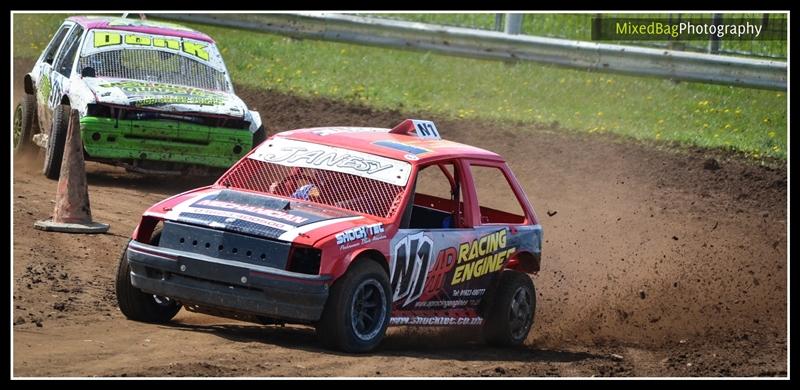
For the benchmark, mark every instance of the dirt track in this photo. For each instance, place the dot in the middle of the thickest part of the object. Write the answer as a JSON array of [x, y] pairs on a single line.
[[652, 266]]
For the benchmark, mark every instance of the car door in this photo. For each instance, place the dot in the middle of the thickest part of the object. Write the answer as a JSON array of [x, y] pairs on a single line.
[[501, 204], [63, 66], [41, 76], [441, 263]]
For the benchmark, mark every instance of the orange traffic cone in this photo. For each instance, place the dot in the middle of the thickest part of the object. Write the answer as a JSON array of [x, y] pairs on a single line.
[[72, 213]]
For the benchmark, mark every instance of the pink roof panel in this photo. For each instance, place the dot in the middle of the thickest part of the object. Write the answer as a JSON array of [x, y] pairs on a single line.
[[141, 26]]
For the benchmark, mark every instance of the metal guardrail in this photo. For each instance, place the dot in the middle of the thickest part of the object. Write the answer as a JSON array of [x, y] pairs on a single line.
[[675, 65], [579, 27]]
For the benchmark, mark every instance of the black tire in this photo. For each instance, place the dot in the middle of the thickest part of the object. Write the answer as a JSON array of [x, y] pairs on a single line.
[[510, 313], [365, 282], [259, 136], [137, 305], [56, 142], [24, 124]]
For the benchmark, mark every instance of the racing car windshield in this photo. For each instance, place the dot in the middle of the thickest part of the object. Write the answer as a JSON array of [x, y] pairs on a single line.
[[325, 175], [154, 59]]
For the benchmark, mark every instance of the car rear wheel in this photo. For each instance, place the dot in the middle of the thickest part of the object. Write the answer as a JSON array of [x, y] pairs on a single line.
[[24, 116], [56, 142], [137, 305], [511, 312], [358, 309]]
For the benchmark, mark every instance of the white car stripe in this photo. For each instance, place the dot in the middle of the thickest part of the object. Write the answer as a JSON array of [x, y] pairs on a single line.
[[292, 234]]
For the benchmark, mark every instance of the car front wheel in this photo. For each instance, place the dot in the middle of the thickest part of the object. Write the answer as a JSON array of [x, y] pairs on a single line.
[[56, 142], [137, 305], [24, 116], [358, 309]]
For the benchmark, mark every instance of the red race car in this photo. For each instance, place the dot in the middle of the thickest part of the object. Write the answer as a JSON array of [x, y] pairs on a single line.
[[348, 229]]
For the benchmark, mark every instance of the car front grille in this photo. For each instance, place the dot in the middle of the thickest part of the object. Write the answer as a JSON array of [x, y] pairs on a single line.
[[225, 245]]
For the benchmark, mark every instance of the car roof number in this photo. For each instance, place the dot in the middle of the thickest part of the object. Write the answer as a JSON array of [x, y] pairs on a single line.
[[425, 129]]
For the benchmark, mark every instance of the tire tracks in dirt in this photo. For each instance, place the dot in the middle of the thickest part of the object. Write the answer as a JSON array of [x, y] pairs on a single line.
[[652, 265]]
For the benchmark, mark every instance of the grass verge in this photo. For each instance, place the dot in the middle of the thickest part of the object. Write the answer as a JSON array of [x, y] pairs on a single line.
[[750, 121]]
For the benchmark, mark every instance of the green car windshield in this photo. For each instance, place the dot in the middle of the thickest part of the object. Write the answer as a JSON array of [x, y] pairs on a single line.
[[185, 62]]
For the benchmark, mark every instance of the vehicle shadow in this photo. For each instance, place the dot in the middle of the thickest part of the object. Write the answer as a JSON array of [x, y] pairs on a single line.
[[112, 177], [439, 344]]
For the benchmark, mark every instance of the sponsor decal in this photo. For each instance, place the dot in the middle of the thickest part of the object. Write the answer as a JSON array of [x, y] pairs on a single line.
[[319, 157], [251, 209], [481, 256], [45, 88], [416, 320], [309, 155], [141, 93], [417, 275], [454, 268], [153, 101], [361, 235], [112, 38], [471, 292], [445, 261], [446, 304], [51, 88], [250, 214], [193, 213]]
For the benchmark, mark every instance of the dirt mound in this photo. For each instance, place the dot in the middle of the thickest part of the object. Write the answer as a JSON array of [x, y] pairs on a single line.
[[643, 246]]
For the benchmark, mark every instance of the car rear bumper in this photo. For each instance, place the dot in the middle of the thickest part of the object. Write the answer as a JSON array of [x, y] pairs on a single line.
[[196, 279]]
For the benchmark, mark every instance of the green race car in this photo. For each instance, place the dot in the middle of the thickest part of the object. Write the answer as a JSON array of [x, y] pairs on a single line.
[[152, 97]]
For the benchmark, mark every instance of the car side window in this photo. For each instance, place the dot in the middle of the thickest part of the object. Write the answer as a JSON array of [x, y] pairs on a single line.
[[66, 57], [438, 201], [52, 48], [497, 201]]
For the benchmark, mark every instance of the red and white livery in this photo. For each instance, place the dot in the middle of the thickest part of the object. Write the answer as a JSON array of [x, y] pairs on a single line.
[[348, 229]]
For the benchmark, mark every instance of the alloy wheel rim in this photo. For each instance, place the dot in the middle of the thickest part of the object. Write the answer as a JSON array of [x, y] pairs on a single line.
[[368, 309], [520, 313]]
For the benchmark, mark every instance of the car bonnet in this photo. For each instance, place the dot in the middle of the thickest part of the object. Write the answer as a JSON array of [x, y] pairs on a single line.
[[259, 215], [165, 97]]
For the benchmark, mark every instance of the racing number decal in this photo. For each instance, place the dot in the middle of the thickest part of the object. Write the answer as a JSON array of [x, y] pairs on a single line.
[[56, 89], [409, 270], [426, 129]]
